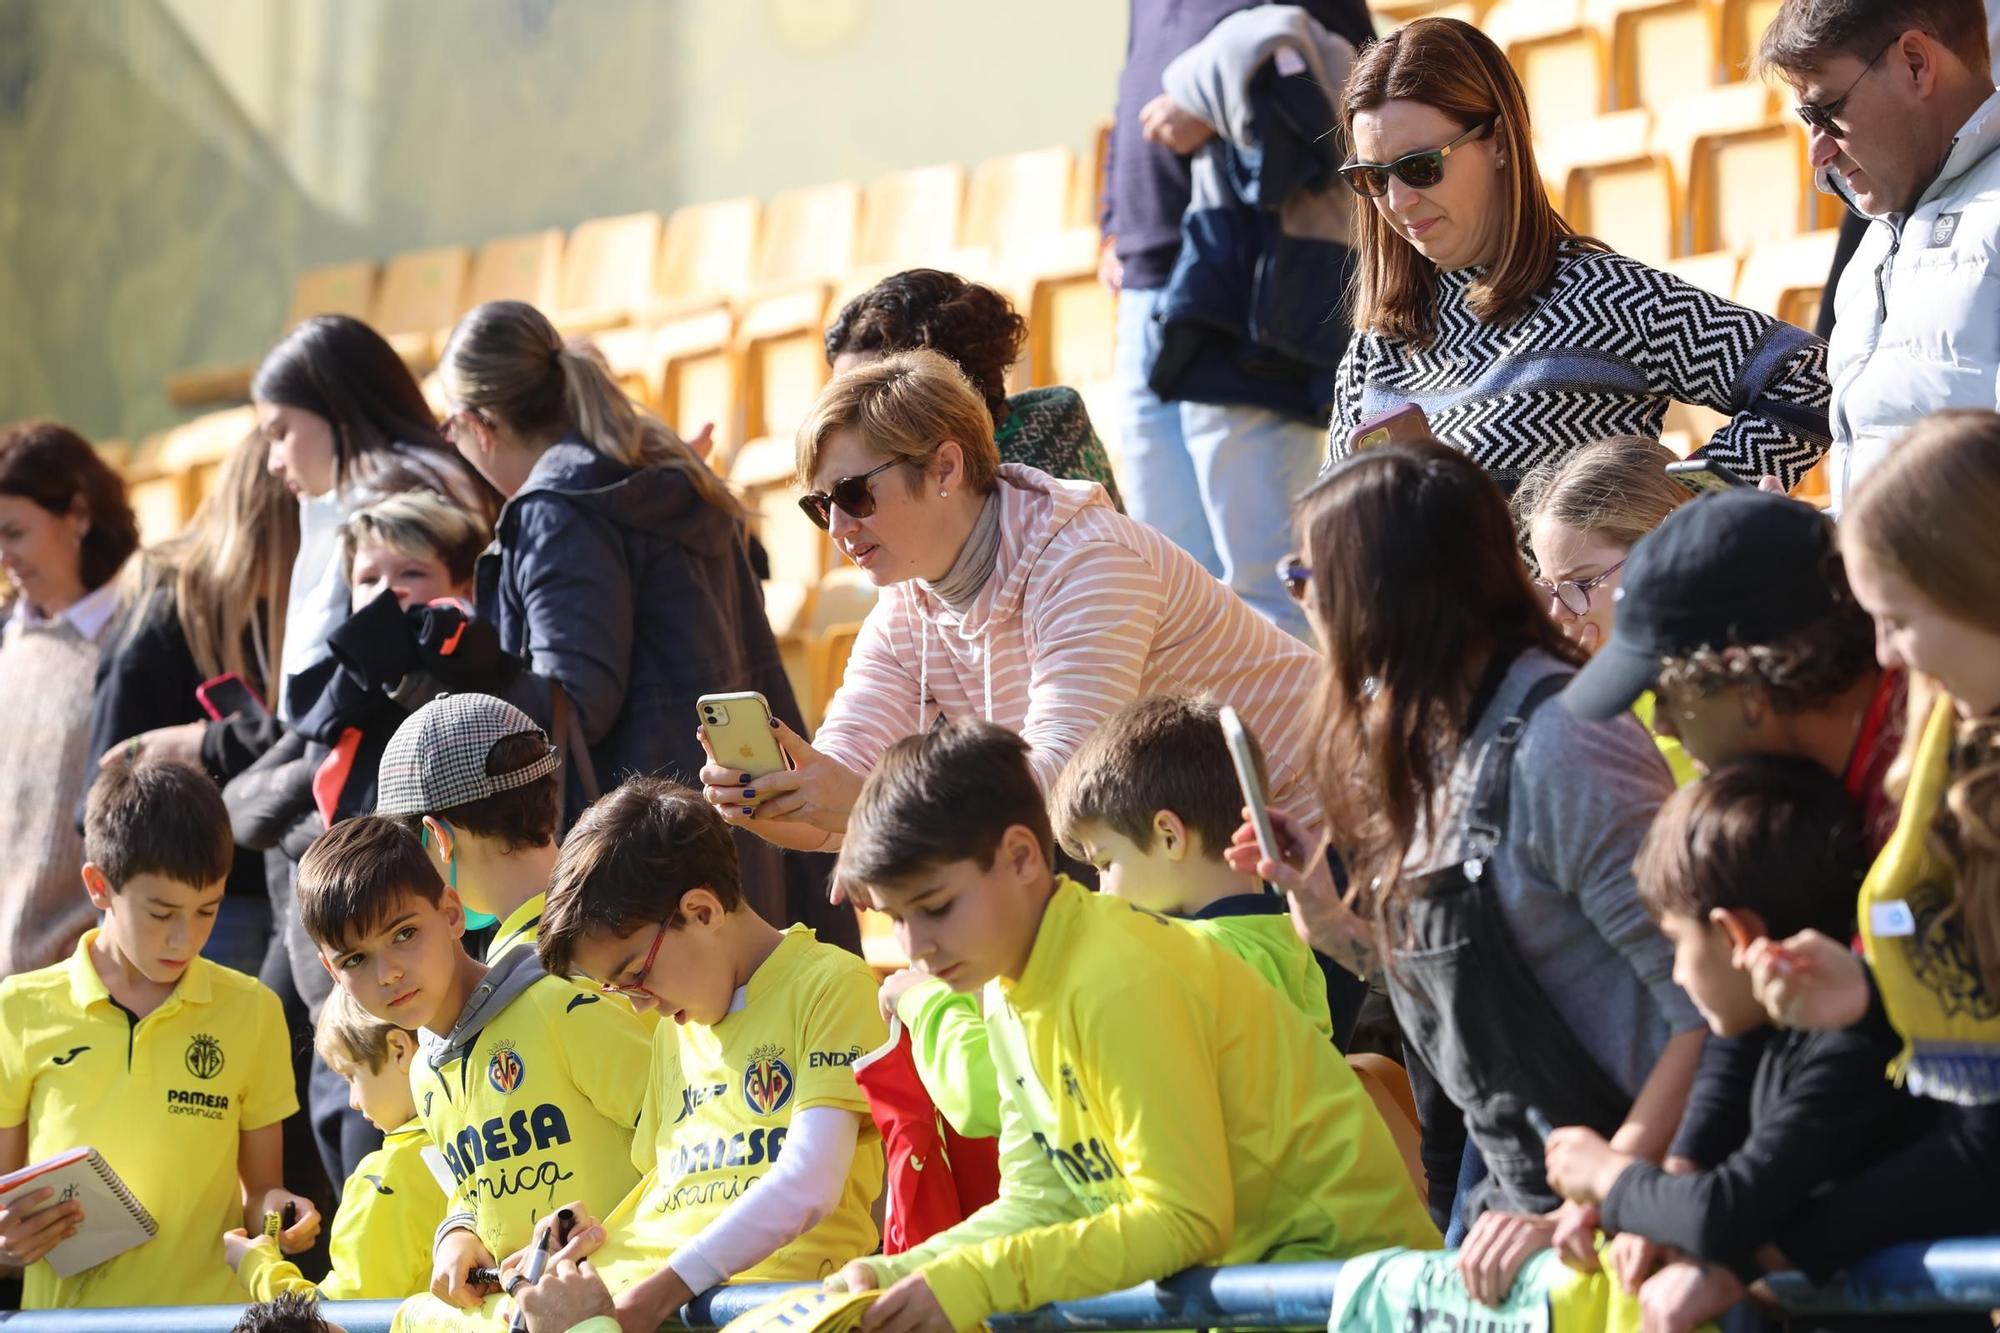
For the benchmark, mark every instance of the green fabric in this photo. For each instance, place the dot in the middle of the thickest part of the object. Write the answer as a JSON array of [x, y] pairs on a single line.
[[1049, 429], [1385, 1292], [1272, 947], [948, 1042]]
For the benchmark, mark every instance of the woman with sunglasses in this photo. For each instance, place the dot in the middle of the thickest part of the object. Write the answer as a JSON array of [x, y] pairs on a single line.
[[1491, 834], [623, 576], [1520, 339], [1006, 595]]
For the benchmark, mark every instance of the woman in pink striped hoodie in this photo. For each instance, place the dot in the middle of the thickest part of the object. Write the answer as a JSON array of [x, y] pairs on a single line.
[[1006, 595]]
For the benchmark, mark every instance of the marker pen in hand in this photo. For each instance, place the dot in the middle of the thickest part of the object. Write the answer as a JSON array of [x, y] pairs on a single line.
[[555, 1235]]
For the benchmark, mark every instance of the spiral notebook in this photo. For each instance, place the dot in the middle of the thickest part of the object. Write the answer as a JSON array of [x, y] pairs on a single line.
[[114, 1220], [806, 1312]]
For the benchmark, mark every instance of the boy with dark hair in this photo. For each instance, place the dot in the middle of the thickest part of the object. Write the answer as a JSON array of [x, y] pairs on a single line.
[[528, 1089], [1763, 847], [391, 1204], [476, 779], [1161, 1107], [287, 1312], [177, 1070], [751, 1084]]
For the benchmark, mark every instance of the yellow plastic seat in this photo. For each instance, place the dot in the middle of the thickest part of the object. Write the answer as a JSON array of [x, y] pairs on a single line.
[[1072, 319], [1661, 50], [1742, 163], [1714, 273], [517, 268], [1786, 278], [1018, 198], [1559, 55], [779, 342], [1616, 188], [707, 254], [420, 297], [809, 235], [910, 218], [1086, 200], [1742, 24], [608, 272], [331, 289]]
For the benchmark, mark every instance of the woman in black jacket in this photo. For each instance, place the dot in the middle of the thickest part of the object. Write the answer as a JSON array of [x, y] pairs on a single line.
[[623, 577]]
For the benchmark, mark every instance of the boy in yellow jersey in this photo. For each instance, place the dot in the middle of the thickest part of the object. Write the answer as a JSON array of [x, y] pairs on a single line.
[[475, 778], [752, 1082], [391, 1205], [528, 1088], [1161, 1105], [1151, 801], [176, 1070]]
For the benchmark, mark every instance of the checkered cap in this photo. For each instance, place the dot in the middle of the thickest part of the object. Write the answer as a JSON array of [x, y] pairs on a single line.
[[437, 758]]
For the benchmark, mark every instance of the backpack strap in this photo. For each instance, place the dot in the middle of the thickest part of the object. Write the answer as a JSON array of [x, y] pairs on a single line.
[[1495, 779]]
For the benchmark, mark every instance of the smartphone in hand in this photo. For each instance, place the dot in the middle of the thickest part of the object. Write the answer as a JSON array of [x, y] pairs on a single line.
[[738, 728], [1704, 474], [1237, 736], [1399, 425]]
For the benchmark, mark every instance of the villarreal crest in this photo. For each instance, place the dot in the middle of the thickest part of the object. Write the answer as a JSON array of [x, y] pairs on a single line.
[[504, 1068], [767, 1081]]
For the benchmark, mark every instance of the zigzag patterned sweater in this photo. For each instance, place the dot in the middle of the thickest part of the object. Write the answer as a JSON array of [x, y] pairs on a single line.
[[1602, 352]]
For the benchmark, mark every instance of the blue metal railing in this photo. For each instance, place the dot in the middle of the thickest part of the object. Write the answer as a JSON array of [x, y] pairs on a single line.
[[1944, 1276]]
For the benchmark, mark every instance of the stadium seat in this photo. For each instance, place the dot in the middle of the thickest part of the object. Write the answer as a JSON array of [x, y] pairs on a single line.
[[761, 474], [1742, 23], [706, 255], [334, 289], [1395, 13], [517, 268], [1785, 278], [1660, 49], [1072, 319], [1018, 198], [1559, 56], [608, 271], [1713, 273], [1086, 198], [809, 235], [421, 296], [1742, 165], [838, 605], [784, 360], [161, 500], [910, 218], [697, 374], [1388, 1086], [1616, 188]]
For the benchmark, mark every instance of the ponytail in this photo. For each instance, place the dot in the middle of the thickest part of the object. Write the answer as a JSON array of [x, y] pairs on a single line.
[[505, 359]]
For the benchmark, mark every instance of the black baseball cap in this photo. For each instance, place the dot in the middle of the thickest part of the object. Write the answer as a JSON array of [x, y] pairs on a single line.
[[1737, 567]]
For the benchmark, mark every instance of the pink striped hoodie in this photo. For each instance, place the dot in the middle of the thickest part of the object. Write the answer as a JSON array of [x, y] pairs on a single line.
[[1086, 610]]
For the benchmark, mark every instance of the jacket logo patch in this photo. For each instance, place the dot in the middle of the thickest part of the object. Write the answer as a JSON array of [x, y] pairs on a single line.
[[204, 1056], [1944, 229], [504, 1069], [767, 1081]]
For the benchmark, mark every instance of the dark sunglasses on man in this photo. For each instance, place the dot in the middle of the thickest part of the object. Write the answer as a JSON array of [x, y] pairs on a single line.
[[854, 495], [1822, 116], [1419, 171]]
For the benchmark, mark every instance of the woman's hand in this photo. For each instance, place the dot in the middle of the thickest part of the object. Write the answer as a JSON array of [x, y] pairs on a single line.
[[804, 808], [908, 1307], [178, 745], [857, 1276], [1808, 981], [1493, 1254], [1683, 1296], [33, 1225], [1319, 913], [569, 1293]]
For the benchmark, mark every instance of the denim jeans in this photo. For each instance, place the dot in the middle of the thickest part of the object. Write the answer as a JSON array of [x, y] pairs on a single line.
[[1217, 480]]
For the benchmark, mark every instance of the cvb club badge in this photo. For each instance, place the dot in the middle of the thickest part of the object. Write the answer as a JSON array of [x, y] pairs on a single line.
[[505, 1069], [204, 1056], [767, 1081]]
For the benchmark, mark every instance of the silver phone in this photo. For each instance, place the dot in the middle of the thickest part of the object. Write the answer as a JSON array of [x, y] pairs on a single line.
[[1237, 736]]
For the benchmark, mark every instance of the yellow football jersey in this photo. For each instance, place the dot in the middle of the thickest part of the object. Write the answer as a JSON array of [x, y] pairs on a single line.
[[539, 1111], [166, 1099], [521, 929], [720, 1101]]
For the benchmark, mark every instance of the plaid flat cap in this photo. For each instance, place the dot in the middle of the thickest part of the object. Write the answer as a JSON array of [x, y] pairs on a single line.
[[437, 758]]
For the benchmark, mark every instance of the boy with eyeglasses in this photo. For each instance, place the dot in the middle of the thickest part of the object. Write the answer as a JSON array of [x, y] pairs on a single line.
[[752, 1083]]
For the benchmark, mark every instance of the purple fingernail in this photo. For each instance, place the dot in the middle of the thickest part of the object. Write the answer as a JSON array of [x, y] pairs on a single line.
[[749, 810], [774, 724], [747, 777], [748, 792]]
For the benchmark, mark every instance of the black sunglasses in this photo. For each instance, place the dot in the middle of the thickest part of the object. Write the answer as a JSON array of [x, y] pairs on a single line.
[[853, 494], [1419, 171], [1820, 115]]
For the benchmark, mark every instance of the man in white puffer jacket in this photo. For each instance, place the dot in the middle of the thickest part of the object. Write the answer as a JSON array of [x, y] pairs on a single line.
[[1903, 122]]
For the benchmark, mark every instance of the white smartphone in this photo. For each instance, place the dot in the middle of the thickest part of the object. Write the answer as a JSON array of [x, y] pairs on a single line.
[[1238, 738], [738, 728]]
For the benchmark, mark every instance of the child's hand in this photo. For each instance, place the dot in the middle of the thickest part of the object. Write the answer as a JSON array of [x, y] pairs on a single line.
[[294, 1239], [1807, 981], [894, 987], [30, 1227], [456, 1256], [908, 1307], [237, 1243], [1575, 1237], [1581, 1166], [857, 1276], [1632, 1259]]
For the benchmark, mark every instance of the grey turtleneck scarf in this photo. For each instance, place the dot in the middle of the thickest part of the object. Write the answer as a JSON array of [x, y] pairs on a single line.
[[968, 573]]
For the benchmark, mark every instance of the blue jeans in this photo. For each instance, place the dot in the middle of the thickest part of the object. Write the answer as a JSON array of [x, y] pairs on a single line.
[[242, 933], [1217, 480]]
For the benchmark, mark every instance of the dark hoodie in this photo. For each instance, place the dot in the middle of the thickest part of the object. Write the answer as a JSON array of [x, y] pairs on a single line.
[[634, 594]]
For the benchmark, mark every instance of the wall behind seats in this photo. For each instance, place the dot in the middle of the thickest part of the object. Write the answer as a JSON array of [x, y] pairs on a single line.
[[167, 166]]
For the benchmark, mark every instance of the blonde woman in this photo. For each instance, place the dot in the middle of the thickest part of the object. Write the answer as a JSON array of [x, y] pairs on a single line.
[[624, 575], [1520, 339], [208, 603]]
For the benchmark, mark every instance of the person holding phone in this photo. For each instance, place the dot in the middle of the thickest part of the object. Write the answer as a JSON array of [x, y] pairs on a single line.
[[1521, 339], [1006, 595], [1491, 834], [623, 575]]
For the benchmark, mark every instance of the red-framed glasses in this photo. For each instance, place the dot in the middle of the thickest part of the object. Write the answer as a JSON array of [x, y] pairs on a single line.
[[645, 970]]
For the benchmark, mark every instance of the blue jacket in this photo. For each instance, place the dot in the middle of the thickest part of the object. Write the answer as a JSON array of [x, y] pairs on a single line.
[[1253, 312]]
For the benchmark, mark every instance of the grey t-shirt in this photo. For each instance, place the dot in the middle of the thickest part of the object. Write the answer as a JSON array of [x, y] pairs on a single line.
[[1583, 796]]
